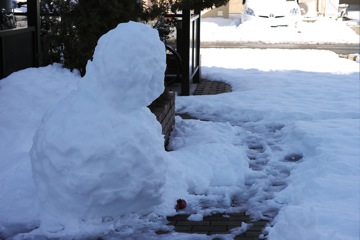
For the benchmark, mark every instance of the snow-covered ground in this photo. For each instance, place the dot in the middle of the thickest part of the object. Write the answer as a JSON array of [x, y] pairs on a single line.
[[319, 30], [283, 145]]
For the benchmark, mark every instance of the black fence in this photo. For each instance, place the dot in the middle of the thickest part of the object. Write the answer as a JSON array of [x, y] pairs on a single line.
[[188, 46], [20, 47]]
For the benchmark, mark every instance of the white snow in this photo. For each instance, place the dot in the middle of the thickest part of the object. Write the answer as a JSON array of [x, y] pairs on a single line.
[[315, 31], [315, 113], [100, 160], [128, 56], [283, 145]]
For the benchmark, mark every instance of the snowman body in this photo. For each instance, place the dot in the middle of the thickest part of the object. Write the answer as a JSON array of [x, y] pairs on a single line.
[[99, 151]]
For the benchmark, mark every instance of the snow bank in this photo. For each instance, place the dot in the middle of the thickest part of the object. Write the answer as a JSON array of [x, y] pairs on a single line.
[[326, 203], [207, 163], [321, 31], [295, 105], [99, 151], [24, 97]]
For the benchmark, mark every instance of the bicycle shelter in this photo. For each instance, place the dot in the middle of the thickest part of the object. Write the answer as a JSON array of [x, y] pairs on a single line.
[[188, 46]]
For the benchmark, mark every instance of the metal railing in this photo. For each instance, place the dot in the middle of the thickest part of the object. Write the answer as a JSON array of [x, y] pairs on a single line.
[[188, 46], [20, 47]]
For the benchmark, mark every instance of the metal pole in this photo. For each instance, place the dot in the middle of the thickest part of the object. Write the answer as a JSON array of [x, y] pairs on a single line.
[[197, 77], [185, 55], [2, 61], [34, 21]]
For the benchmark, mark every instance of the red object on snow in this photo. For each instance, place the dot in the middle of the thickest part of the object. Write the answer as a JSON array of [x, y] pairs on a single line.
[[180, 204]]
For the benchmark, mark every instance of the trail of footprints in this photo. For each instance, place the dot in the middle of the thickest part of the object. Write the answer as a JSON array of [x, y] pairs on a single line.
[[270, 172], [271, 166]]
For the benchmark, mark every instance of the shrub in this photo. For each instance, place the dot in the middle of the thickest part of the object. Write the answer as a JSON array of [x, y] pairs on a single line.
[[71, 28], [159, 7]]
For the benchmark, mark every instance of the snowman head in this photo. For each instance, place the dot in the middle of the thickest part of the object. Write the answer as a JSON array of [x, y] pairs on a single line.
[[127, 70]]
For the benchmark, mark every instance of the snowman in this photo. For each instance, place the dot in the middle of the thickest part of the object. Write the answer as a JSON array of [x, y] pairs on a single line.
[[99, 151]]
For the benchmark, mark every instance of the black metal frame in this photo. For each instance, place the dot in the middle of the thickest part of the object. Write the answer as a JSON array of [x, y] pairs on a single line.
[[188, 46], [20, 47]]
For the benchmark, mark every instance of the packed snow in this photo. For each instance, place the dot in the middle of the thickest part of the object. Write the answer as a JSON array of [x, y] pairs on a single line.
[[84, 156], [80, 178]]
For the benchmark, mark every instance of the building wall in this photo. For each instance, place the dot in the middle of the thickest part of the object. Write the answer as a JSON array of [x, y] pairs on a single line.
[[216, 12], [233, 9], [236, 6], [310, 8]]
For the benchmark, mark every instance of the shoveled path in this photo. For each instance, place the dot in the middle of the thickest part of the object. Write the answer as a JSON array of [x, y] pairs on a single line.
[[218, 223], [207, 87]]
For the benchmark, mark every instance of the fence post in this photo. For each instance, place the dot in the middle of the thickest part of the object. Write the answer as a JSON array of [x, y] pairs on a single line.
[[2, 58], [188, 46], [34, 21], [197, 76], [185, 53]]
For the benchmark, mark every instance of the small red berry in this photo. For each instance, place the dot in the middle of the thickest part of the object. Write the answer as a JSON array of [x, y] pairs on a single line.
[[180, 204]]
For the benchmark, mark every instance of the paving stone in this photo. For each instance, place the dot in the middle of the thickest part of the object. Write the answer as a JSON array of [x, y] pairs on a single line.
[[219, 223], [258, 228], [239, 217], [193, 223], [260, 223], [232, 226], [183, 228], [171, 223], [161, 232], [206, 87], [245, 238], [210, 228], [227, 223], [252, 234], [178, 217], [216, 217]]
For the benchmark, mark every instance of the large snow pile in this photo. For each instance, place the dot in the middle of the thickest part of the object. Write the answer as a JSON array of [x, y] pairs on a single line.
[[24, 97], [92, 155]]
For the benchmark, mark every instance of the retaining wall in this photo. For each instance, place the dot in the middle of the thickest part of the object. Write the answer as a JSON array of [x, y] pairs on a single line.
[[164, 109]]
